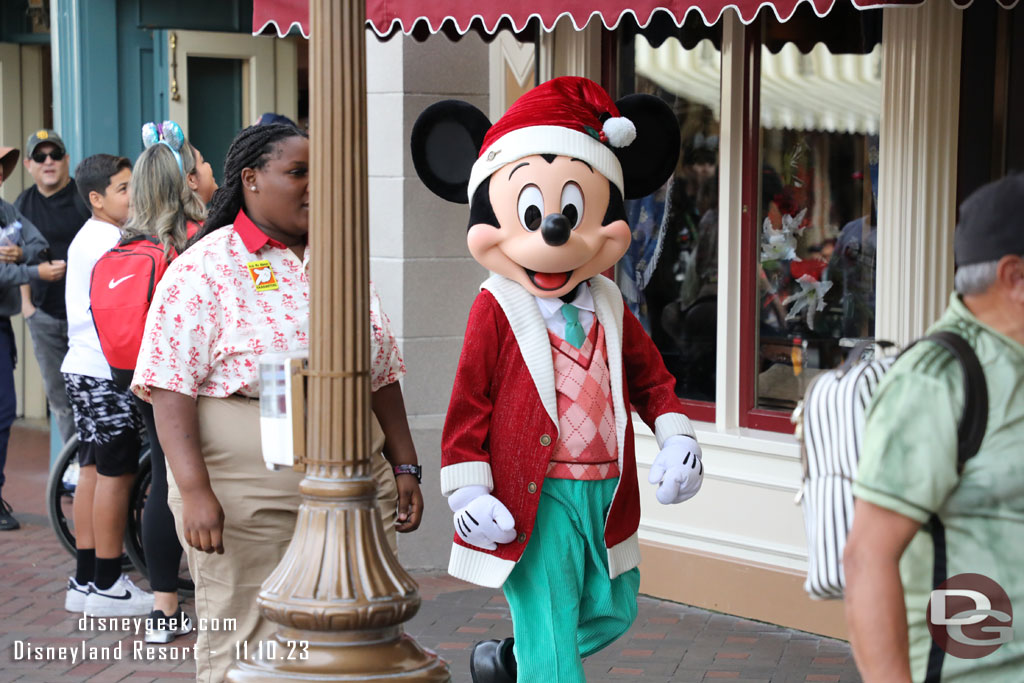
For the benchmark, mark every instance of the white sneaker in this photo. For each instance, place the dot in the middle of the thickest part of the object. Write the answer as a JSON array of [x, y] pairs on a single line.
[[163, 629], [123, 599], [74, 600]]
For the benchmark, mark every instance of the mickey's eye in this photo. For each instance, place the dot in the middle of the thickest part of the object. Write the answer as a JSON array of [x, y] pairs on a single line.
[[531, 202], [572, 203]]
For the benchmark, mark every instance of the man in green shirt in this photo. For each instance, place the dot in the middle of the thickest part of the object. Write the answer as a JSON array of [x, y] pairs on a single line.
[[908, 485]]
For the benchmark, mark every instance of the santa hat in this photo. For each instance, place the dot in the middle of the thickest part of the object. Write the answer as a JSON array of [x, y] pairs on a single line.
[[568, 116]]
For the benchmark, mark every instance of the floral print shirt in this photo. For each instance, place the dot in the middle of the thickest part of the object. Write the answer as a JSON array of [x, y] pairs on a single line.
[[233, 296]]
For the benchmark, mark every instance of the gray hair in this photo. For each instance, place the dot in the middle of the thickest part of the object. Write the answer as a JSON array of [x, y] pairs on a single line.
[[162, 202], [975, 278]]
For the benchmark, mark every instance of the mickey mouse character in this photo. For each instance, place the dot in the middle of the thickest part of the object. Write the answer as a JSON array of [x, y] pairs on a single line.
[[537, 450]]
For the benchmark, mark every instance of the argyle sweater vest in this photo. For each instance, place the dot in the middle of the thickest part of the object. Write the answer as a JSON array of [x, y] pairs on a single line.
[[586, 448]]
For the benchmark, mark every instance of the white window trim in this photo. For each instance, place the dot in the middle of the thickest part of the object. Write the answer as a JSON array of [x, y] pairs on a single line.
[[730, 221]]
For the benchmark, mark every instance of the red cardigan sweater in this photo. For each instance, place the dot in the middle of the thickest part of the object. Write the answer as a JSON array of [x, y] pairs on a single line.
[[499, 432]]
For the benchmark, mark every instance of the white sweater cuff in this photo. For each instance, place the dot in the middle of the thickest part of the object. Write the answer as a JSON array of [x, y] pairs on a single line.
[[470, 473], [671, 424]]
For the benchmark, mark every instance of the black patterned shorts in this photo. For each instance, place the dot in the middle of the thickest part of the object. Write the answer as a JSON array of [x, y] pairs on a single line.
[[108, 425]]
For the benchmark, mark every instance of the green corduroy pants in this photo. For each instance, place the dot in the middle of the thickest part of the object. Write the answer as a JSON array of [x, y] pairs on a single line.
[[564, 606]]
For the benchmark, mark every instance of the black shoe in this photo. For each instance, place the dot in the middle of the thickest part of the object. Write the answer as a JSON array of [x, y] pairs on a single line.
[[7, 520], [493, 661]]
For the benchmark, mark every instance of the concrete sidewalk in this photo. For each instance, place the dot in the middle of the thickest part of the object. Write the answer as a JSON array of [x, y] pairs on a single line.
[[668, 642]]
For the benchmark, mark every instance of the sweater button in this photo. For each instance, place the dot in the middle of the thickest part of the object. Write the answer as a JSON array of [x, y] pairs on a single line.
[[522, 538], [545, 440], [531, 487]]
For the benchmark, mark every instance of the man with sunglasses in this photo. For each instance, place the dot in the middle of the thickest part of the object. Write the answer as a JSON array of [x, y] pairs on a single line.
[[54, 205]]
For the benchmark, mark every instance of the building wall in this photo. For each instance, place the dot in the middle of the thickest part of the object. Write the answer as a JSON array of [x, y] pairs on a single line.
[[418, 256], [21, 113]]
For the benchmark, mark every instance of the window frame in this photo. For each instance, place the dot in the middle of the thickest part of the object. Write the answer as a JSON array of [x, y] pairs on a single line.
[[735, 401], [701, 411]]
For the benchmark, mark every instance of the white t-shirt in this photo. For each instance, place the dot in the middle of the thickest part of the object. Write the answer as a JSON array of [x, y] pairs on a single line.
[[84, 355]]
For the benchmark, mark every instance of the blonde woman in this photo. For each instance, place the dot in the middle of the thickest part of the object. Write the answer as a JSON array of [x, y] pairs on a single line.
[[169, 191], [174, 185]]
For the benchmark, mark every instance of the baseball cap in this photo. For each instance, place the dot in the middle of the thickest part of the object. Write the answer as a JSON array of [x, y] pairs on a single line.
[[270, 119], [43, 135], [991, 222]]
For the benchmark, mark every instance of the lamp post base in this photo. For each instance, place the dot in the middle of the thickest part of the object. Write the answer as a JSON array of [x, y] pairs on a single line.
[[307, 656], [339, 597]]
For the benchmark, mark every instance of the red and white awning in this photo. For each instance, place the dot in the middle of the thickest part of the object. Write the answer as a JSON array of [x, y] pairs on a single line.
[[280, 16], [387, 17]]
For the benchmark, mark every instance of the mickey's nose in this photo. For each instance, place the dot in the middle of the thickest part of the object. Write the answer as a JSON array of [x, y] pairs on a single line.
[[555, 229]]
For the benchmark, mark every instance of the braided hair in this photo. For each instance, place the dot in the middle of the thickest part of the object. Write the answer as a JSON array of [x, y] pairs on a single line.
[[251, 148]]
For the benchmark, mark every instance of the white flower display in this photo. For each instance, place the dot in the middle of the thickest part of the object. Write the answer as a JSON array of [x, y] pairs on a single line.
[[811, 298], [780, 245]]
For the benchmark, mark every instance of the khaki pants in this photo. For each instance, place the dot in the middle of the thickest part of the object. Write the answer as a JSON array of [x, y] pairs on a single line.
[[260, 509]]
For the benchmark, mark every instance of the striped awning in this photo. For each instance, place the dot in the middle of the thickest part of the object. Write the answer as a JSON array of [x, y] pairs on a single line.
[[839, 93], [387, 17]]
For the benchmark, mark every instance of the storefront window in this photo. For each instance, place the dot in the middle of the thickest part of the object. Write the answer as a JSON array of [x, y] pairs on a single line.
[[812, 107], [669, 276], [820, 106]]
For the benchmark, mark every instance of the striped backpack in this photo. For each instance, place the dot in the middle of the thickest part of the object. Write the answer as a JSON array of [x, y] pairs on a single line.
[[829, 426]]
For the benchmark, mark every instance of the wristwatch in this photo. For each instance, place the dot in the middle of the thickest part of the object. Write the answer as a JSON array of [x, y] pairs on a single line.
[[414, 470]]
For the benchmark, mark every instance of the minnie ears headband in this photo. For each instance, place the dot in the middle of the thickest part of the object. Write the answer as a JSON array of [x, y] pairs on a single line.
[[166, 133]]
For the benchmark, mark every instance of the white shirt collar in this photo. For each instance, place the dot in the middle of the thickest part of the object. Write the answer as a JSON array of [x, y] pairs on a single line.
[[552, 306]]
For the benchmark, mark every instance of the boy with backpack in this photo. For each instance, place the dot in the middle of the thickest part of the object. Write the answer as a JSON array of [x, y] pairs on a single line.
[[925, 516], [107, 423]]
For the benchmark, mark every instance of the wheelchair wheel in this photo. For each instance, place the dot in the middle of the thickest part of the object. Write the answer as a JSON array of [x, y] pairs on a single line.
[[60, 497]]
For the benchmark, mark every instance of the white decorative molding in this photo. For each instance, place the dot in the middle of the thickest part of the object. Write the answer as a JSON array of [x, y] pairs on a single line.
[[721, 543], [786, 485], [508, 54], [918, 169], [730, 226], [518, 56], [759, 460], [576, 53]]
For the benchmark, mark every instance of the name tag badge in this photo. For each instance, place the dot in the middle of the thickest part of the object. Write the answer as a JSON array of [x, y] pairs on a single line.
[[262, 275]]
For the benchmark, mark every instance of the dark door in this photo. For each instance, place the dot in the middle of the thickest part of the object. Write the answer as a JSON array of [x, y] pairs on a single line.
[[214, 107]]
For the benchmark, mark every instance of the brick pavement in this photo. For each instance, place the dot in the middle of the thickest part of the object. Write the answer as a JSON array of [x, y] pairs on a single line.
[[668, 642]]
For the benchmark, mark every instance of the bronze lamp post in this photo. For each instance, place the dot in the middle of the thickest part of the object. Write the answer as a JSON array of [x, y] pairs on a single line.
[[339, 591]]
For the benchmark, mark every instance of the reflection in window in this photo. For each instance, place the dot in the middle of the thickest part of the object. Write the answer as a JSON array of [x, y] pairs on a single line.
[[669, 277], [819, 185]]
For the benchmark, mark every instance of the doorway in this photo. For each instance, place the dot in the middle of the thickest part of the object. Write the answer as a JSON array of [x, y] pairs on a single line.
[[222, 82]]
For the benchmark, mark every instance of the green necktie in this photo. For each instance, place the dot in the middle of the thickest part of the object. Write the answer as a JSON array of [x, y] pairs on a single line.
[[573, 330]]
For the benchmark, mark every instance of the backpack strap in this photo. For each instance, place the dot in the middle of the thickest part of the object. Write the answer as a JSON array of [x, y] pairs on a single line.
[[974, 418], [139, 238], [970, 433]]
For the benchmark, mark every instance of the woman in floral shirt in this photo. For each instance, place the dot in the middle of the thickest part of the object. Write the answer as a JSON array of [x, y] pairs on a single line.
[[240, 291]]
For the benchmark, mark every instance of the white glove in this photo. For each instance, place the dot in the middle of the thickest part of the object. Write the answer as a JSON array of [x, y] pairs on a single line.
[[678, 469], [481, 519]]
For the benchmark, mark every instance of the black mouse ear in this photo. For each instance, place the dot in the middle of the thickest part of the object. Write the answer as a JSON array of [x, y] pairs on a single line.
[[446, 141], [651, 158]]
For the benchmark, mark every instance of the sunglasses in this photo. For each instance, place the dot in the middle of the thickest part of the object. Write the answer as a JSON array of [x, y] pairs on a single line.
[[40, 157]]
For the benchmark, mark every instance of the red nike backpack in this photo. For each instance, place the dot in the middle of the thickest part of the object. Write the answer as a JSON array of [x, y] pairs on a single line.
[[120, 292]]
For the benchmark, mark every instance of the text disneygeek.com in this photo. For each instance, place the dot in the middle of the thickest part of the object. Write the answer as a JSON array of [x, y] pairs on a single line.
[[82, 651]]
